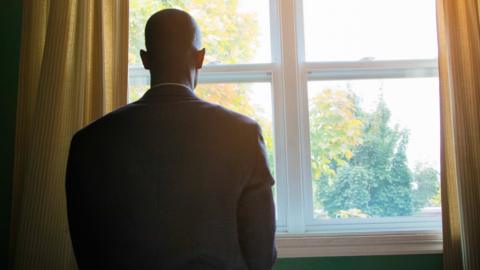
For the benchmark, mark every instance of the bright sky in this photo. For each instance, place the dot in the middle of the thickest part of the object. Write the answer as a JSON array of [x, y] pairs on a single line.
[[262, 10], [349, 30]]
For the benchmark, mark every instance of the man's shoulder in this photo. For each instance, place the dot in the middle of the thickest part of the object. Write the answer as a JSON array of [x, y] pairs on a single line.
[[231, 115], [103, 123], [116, 119]]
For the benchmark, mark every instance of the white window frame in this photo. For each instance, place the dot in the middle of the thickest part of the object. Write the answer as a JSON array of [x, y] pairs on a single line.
[[298, 234]]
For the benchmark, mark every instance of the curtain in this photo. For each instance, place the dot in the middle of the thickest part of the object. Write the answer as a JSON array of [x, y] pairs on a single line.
[[73, 70], [459, 62]]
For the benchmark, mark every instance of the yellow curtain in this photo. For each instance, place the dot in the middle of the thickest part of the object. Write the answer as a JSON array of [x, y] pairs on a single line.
[[459, 59], [73, 69]]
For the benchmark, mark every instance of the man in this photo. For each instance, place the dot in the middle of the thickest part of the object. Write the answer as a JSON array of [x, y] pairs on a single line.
[[171, 181]]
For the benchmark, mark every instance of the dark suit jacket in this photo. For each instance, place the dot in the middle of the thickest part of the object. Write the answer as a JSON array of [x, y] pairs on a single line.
[[170, 182]]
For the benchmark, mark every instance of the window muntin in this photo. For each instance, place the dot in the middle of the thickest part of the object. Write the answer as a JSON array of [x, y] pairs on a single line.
[[374, 148], [352, 30]]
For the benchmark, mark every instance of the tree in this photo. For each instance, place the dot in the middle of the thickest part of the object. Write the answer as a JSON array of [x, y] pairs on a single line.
[[382, 153], [350, 191], [375, 180], [426, 187], [397, 194], [334, 131]]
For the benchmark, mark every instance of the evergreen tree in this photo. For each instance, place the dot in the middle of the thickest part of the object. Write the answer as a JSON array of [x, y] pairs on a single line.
[[378, 171], [398, 191], [426, 187], [350, 191], [376, 155]]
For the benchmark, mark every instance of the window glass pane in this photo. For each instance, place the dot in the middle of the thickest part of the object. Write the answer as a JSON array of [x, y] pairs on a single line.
[[375, 148], [233, 31], [352, 30]]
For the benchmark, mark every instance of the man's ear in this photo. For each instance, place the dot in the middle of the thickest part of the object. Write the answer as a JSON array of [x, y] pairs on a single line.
[[145, 59], [200, 57]]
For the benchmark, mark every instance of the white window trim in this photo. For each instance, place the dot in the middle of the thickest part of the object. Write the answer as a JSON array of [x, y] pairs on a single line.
[[314, 245], [371, 70], [298, 234]]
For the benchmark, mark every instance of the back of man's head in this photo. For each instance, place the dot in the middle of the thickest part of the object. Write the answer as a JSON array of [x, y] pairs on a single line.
[[172, 38]]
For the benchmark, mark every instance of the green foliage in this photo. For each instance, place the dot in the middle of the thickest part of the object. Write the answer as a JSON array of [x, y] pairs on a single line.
[[378, 144], [334, 131], [426, 188], [435, 201], [348, 190], [394, 195], [375, 180]]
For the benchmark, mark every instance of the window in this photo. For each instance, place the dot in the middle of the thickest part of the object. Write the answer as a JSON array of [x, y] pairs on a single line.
[[346, 92]]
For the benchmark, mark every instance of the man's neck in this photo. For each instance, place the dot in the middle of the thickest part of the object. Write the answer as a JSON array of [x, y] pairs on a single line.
[[162, 81]]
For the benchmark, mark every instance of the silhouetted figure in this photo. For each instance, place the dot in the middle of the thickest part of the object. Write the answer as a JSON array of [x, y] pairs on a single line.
[[171, 181]]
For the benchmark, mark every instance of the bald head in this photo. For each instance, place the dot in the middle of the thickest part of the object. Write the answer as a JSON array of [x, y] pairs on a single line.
[[173, 30], [173, 43]]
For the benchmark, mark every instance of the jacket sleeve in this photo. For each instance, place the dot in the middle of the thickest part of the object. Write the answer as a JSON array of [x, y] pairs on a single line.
[[256, 212]]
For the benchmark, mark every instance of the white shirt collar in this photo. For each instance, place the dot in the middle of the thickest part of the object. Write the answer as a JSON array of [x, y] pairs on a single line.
[[177, 84]]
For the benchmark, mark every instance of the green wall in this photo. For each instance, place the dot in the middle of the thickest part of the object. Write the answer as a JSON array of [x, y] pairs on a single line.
[[409, 262], [10, 25]]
